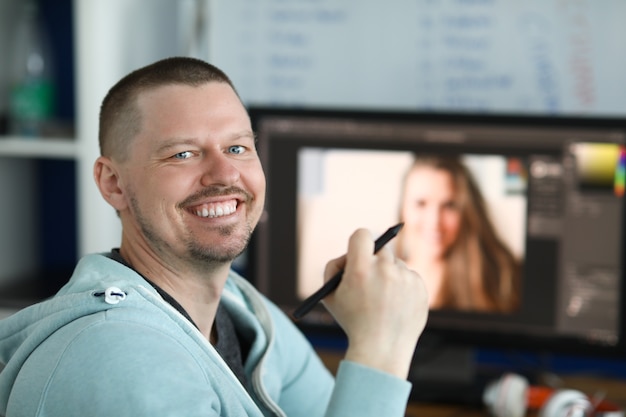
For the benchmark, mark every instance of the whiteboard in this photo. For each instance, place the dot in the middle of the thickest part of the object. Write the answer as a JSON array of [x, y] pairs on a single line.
[[562, 57]]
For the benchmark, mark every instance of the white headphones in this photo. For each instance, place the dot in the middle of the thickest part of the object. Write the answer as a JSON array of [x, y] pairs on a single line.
[[512, 396]]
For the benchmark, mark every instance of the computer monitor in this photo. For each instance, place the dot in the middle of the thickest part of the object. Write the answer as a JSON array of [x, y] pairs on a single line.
[[553, 193]]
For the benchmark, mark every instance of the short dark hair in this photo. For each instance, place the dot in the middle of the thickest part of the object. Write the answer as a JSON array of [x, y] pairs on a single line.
[[120, 119]]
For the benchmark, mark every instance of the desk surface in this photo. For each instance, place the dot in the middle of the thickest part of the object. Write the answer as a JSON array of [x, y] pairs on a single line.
[[610, 389]]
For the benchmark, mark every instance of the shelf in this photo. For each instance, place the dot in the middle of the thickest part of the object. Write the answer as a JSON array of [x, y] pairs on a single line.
[[55, 148]]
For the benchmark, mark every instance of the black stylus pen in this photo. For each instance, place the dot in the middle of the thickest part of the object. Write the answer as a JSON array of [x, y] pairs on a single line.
[[332, 284]]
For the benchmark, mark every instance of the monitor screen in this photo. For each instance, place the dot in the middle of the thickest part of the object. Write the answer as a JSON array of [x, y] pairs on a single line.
[[516, 224]]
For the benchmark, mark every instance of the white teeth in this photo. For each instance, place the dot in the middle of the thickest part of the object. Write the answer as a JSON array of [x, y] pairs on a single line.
[[216, 211]]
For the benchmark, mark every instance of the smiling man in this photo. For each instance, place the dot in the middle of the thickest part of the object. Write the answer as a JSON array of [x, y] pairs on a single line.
[[162, 326]]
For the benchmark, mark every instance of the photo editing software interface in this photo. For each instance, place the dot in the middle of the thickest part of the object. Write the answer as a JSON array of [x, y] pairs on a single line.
[[553, 191]]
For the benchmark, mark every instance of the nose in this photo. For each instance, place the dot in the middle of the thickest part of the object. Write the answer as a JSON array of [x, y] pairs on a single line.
[[433, 218], [218, 169]]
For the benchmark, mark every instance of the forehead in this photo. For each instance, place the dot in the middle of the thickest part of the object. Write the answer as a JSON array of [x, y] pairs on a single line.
[[183, 96], [425, 179], [183, 109]]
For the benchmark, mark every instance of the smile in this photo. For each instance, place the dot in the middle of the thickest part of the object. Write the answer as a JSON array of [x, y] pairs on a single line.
[[216, 209]]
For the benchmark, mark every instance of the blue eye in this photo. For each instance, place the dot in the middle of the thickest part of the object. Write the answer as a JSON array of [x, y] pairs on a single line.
[[183, 155], [236, 149]]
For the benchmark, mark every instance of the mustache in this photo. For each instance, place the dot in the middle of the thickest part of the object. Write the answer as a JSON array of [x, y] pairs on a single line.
[[216, 191]]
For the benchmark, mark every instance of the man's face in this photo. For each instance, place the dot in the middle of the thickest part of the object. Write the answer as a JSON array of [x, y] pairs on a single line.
[[193, 183]]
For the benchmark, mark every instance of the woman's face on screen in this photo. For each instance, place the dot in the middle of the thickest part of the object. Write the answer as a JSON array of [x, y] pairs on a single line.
[[431, 215]]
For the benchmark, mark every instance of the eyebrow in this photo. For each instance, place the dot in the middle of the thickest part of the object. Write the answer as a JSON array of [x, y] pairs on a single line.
[[246, 133]]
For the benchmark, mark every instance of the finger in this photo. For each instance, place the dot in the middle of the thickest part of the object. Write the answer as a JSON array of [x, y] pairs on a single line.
[[334, 266], [360, 249], [387, 254]]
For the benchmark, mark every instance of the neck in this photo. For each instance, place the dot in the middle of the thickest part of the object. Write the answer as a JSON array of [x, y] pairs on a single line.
[[197, 290]]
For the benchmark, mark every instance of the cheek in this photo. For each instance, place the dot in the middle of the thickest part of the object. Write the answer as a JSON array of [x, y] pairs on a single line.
[[255, 180], [410, 214], [157, 190], [261, 184], [452, 224]]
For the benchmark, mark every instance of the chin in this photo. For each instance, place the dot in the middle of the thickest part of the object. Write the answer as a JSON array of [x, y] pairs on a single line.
[[212, 256], [224, 252], [434, 253]]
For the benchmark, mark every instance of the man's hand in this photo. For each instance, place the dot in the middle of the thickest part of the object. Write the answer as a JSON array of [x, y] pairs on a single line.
[[380, 304]]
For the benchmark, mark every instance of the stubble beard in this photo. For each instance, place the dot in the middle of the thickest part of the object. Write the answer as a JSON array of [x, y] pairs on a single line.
[[217, 255], [205, 255]]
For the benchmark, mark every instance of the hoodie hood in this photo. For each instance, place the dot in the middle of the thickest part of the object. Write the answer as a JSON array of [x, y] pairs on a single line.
[[22, 332]]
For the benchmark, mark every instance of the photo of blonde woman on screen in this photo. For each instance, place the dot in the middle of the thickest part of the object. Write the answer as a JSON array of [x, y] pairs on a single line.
[[449, 237]]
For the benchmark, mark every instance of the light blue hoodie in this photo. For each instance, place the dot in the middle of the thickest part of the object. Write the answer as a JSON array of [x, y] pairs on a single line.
[[108, 345]]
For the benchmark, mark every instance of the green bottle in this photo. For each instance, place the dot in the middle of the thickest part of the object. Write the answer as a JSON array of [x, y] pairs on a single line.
[[32, 96]]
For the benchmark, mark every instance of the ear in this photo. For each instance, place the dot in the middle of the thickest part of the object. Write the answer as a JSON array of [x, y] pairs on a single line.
[[107, 179]]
